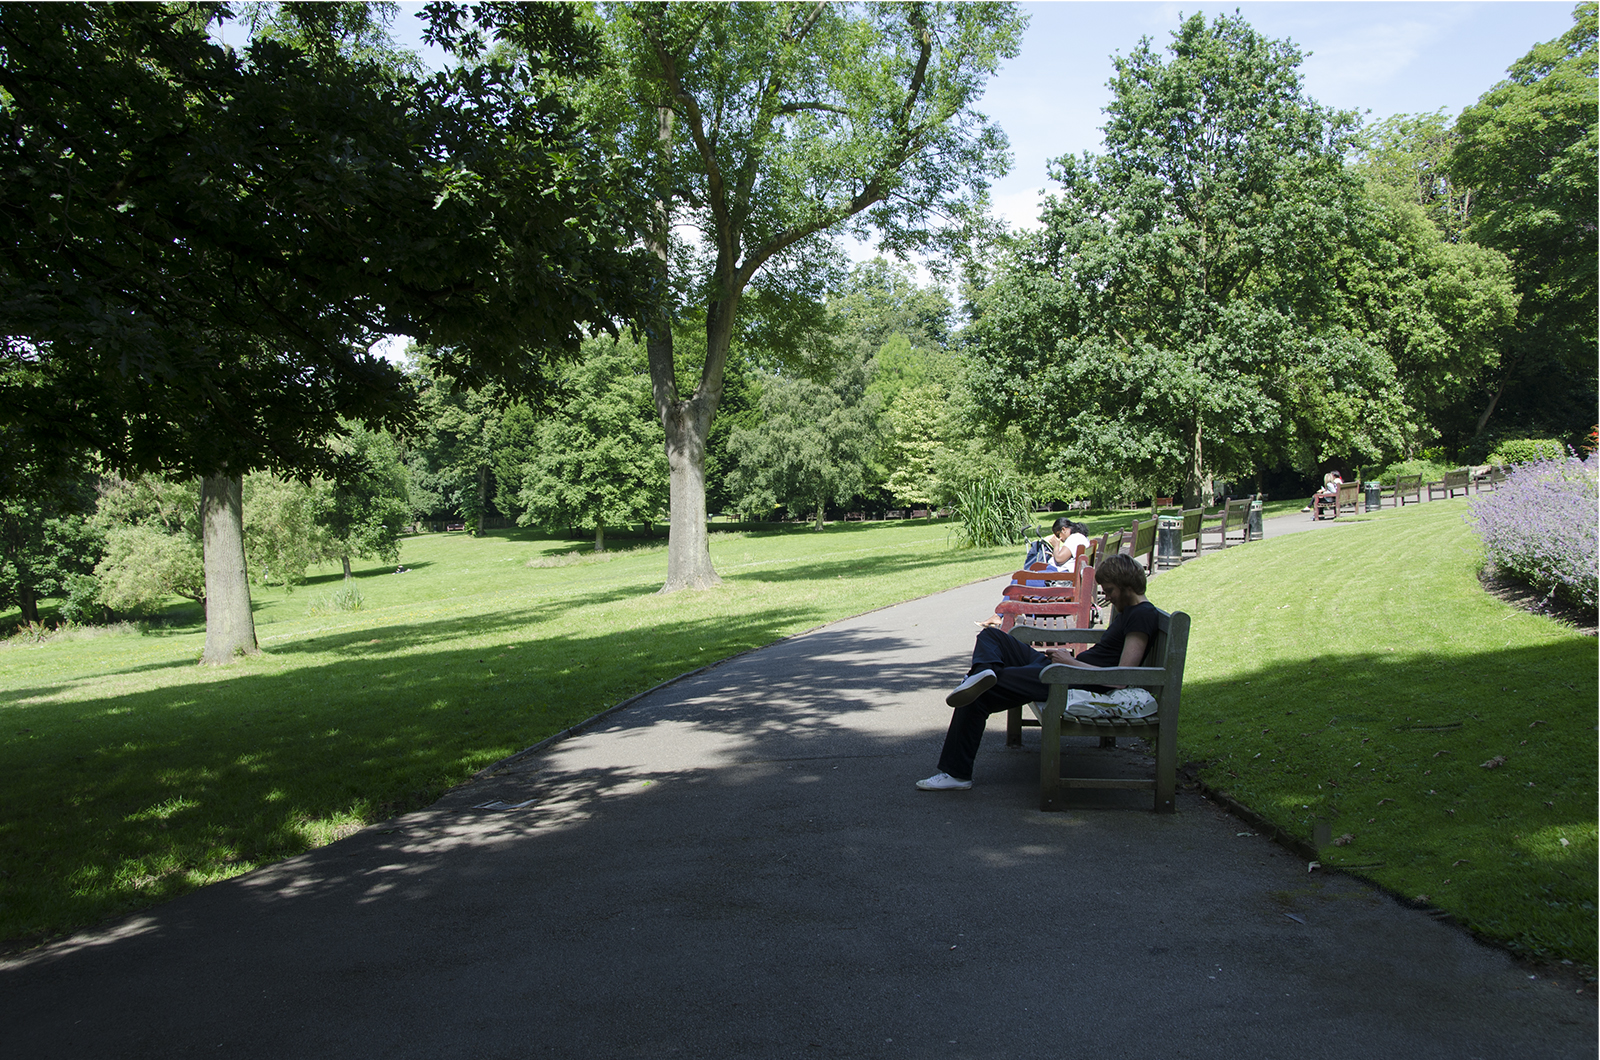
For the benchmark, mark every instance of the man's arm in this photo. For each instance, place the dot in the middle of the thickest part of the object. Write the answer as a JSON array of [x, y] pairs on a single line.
[[1133, 648], [1132, 654]]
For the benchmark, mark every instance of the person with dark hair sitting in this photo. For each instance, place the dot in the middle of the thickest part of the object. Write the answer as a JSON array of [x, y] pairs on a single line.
[[1005, 673]]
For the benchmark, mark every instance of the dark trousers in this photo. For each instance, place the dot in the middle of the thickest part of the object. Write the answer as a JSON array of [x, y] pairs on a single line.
[[1016, 666]]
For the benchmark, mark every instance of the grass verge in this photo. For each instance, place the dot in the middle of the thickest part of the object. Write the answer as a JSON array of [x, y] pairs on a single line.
[[1362, 679], [130, 775]]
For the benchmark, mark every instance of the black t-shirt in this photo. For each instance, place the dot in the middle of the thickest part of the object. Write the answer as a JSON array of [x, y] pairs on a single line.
[[1141, 618]]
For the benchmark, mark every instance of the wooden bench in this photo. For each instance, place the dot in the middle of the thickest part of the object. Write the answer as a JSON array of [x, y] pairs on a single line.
[[1406, 486], [1491, 479], [1459, 479], [1191, 530], [1232, 518], [1349, 493], [1162, 674], [1140, 540]]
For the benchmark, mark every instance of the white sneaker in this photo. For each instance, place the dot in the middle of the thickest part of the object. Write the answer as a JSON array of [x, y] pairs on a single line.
[[970, 689], [943, 782]]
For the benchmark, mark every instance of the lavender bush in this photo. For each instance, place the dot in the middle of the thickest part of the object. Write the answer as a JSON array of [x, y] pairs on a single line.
[[1543, 525]]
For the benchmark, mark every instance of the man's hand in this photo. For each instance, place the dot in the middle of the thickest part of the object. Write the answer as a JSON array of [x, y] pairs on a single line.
[[1062, 655]]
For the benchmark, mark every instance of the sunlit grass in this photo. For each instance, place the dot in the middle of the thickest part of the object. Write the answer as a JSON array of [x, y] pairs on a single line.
[[1362, 678]]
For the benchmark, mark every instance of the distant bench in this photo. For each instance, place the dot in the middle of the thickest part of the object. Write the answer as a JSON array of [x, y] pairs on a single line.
[[1459, 479]]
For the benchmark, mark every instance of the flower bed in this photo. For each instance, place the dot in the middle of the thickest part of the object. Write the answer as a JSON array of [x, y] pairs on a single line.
[[1543, 525]]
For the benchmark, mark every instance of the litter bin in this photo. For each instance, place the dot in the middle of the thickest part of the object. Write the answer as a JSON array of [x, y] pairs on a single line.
[[1169, 541], [1374, 493], [1256, 532]]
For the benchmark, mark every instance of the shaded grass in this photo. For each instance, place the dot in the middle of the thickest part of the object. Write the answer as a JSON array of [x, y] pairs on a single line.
[[1360, 678], [131, 775]]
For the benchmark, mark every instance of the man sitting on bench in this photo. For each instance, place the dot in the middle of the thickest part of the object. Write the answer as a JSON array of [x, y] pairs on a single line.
[[1005, 673]]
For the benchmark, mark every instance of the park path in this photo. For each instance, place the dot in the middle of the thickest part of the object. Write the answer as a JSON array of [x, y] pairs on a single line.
[[737, 865]]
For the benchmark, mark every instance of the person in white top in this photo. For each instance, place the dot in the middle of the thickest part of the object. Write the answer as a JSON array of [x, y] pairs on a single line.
[[1067, 538]]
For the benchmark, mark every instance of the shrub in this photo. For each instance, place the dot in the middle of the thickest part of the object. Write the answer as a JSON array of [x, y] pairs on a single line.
[[1543, 524], [336, 602], [1526, 451], [1430, 470], [992, 511]]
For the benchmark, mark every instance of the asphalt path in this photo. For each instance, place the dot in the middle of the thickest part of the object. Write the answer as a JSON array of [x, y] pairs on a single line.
[[737, 865]]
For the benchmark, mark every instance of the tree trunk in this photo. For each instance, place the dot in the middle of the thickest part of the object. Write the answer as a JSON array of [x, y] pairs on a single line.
[[599, 537], [1194, 474], [821, 509], [688, 545], [1483, 420], [28, 604], [483, 499], [230, 627], [346, 561]]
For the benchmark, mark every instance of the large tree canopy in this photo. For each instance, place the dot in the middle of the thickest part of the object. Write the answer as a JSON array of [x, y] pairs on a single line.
[[199, 245], [1530, 150], [764, 130], [1172, 319]]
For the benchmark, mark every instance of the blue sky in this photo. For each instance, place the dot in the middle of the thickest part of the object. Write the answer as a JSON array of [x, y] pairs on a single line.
[[1372, 57], [1378, 58]]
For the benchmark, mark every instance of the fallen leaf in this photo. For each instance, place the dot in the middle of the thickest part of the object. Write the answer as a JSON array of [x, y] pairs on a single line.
[[1494, 763], [1436, 754], [1565, 843], [1423, 898], [1427, 772], [1458, 861], [1296, 919], [1344, 840], [1382, 801], [1531, 724]]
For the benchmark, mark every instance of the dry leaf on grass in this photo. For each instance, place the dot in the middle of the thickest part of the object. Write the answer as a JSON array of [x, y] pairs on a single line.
[[1494, 763], [1344, 840]]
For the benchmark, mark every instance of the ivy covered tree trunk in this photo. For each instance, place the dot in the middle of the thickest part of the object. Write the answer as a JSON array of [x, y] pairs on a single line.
[[599, 536], [230, 627]]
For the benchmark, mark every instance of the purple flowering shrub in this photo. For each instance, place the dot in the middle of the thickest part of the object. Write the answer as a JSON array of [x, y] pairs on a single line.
[[1543, 525]]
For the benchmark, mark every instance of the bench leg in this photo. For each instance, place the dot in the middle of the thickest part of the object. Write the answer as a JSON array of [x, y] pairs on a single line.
[[1167, 768], [1014, 727], [1049, 760]]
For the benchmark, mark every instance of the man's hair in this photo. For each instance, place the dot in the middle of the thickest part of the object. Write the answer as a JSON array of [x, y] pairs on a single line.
[[1121, 570]]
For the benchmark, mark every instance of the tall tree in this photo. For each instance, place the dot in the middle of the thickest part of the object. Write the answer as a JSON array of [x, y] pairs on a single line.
[[45, 541], [812, 446], [1170, 319], [597, 460], [1410, 153], [763, 131], [1530, 149], [197, 245]]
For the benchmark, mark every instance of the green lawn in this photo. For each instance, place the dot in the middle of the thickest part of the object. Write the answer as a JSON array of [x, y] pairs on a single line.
[[1356, 676], [129, 774], [1360, 676]]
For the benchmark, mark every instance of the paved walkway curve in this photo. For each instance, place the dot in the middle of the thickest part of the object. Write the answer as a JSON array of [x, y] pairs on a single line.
[[738, 866]]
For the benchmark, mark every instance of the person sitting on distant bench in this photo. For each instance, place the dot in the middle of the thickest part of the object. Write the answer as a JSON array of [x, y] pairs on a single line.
[[1330, 489], [1065, 538], [1005, 673]]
